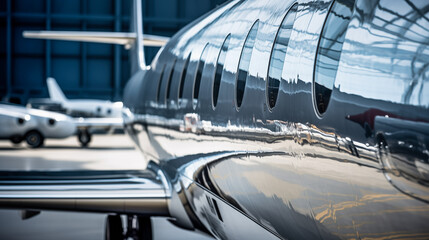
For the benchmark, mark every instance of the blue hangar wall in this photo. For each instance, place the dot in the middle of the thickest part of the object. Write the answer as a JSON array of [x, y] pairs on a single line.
[[83, 70]]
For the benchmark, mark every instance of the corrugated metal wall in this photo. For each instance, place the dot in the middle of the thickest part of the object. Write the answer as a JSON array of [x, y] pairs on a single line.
[[83, 70]]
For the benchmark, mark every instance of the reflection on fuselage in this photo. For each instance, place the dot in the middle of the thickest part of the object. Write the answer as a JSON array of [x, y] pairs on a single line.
[[358, 171]]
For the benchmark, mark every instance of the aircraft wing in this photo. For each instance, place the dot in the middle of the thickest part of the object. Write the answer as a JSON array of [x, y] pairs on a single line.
[[121, 38], [82, 123], [127, 192]]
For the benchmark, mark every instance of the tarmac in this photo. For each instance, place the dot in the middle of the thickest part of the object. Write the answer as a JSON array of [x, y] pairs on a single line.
[[105, 152]]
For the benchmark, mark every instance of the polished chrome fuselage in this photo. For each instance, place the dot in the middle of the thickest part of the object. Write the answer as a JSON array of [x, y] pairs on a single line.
[[358, 171]]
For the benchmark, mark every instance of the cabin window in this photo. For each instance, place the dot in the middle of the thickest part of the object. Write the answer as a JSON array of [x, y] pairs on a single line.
[[199, 73], [329, 52], [51, 122], [160, 83], [219, 69], [182, 78], [278, 54], [170, 79], [243, 66]]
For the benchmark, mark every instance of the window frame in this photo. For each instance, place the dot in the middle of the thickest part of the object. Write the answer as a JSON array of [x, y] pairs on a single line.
[[160, 84], [267, 96], [238, 67], [227, 38], [183, 74], [169, 81], [200, 59], [316, 60]]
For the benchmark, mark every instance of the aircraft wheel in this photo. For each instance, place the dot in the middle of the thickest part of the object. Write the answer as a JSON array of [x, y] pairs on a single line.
[[383, 150], [16, 139], [34, 139], [144, 228], [84, 137], [113, 230]]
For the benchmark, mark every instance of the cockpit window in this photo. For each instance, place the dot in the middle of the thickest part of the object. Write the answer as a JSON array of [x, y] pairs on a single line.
[[170, 79], [329, 51], [199, 73], [219, 69], [278, 54], [243, 66], [182, 78]]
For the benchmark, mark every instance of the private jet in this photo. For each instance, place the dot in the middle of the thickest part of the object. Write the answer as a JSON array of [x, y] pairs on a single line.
[[247, 121]]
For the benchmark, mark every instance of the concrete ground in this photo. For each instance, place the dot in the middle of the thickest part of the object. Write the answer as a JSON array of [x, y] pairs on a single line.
[[106, 152]]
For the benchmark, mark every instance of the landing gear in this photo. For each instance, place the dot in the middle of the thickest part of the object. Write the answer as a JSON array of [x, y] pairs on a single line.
[[84, 137], [145, 228], [16, 139], [34, 139], [113, 230], [138, 228], [383, 152]]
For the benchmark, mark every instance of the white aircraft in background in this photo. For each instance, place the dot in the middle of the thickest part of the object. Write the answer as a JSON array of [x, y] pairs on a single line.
[[93, 113], [83, 107], [18, 123]]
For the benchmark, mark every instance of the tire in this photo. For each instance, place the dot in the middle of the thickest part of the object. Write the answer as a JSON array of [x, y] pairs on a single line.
[[16, 139], [34, 139], [113, 229], [144, 228], [84, 137]]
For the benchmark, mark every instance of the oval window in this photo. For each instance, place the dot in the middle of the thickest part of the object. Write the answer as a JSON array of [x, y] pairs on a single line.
[[159, 83], [219, 69], [199, 73], [182, 78], [278, 54], [170, 79], [243, 66], [329, 52]]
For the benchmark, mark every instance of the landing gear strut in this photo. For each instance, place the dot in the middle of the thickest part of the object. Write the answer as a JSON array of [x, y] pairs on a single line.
[[113, 230], [84, 137], [138, 228]]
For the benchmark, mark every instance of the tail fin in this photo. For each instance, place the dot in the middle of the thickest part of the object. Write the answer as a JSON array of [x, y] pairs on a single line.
[[134, 40], [137, 51], [55, 92]]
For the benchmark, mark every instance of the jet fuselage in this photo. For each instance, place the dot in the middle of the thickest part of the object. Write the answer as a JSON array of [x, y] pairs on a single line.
[[257, 138]]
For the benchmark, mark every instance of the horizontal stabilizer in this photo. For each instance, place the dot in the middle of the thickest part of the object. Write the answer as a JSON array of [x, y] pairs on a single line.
[[121, 38]]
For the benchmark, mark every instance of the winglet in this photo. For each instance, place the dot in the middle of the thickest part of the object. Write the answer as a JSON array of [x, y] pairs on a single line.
[[55, 92]]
